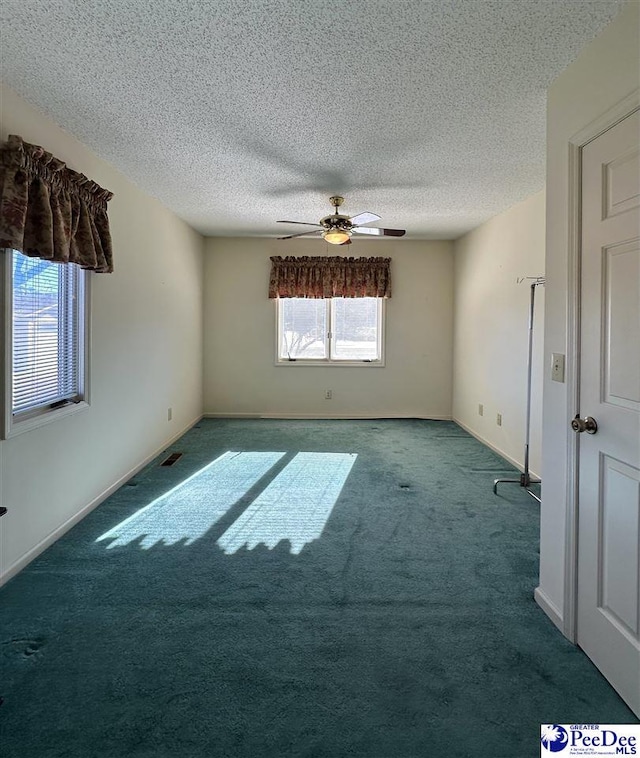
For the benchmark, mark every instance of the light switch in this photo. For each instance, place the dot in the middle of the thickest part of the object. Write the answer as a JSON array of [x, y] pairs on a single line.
[[557, 367]]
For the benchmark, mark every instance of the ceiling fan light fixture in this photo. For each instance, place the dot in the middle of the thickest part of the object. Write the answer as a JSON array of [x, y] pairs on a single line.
[[336, 236], [337, 228]]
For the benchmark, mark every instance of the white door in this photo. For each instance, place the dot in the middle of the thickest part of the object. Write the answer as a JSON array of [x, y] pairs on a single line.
[[609, 480]]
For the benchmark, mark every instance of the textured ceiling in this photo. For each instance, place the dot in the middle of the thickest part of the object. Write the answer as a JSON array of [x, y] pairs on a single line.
[[236, 113]]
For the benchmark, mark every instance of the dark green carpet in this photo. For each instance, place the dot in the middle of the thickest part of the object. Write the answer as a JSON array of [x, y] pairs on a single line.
[[407, 629]]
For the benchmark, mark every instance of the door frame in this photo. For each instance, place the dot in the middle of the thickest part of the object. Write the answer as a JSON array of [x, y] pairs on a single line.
[[578, 141]]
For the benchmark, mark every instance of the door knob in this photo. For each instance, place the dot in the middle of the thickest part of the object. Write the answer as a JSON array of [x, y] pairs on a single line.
[[587, 424]]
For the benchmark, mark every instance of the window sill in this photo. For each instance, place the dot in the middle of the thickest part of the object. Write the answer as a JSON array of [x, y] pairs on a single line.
[[14, 428], [332, 364]]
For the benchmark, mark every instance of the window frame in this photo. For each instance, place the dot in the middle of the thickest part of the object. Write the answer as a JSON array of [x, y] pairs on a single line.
[[329, 361], [10, 426]]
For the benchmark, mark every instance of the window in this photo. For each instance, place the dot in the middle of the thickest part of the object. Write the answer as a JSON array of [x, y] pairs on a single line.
[[45, 341], [333, 330]]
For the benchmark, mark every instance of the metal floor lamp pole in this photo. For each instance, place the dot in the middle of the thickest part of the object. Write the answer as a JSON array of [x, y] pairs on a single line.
[[525, 479]]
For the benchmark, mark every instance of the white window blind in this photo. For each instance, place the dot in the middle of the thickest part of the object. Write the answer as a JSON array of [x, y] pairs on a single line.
[[355, 332], [47, 334]]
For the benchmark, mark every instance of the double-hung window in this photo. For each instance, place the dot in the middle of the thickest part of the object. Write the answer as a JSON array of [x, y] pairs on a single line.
[[45, 341], [345, 331]]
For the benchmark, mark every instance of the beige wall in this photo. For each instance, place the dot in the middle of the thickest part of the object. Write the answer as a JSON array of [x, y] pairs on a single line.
[[606, 71], [491, 319], [146, 356], [240, 375]]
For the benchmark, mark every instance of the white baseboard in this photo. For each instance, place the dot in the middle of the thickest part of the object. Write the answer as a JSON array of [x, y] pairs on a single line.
[[231, 415], [549, 608], [24, 560], [501, 453], [327, 416]]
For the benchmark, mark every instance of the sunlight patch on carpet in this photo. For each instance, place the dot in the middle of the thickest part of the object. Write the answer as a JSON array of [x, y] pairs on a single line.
[[190, 509], [294, 507]]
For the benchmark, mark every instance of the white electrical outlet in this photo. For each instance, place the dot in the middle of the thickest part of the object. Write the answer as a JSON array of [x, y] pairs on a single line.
[[557, 367], [480, 409], [328, 394], [499, 419]]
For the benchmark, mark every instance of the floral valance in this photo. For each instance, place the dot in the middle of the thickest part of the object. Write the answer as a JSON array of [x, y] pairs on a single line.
[[324, 277], [49, 211]]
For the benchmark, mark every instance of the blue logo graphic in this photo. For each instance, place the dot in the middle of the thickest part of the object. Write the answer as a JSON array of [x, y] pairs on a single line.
[[554, 737]]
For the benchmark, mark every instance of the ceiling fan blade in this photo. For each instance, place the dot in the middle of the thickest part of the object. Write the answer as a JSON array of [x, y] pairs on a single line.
[[364, 218], [304, 223], [302, 234], [379, 232]]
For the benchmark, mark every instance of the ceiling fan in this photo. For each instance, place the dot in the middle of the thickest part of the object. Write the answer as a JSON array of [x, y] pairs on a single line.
[[337, 228]]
